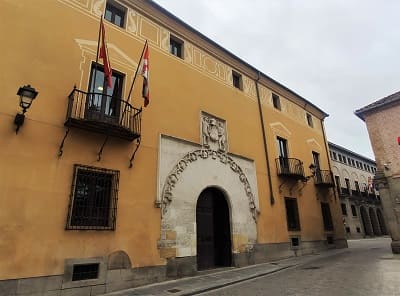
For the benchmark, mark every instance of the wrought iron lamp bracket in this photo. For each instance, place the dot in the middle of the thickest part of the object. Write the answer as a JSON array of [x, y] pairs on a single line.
[[134, 152], [101, 149], [60, 149]]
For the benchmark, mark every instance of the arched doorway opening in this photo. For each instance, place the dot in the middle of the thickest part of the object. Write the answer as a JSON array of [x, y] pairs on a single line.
[[365, 221], [374, 222], [381, 221], [213, 230]]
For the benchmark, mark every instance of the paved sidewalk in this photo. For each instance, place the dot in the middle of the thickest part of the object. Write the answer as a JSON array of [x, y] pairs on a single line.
[[210, 281]]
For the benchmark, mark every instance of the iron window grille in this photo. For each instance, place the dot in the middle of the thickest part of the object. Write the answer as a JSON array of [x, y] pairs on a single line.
[[93, 203], [85, 272]]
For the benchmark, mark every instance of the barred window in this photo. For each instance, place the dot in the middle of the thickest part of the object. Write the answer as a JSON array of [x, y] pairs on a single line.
[[93, 203], [326, 216], [292, 214]]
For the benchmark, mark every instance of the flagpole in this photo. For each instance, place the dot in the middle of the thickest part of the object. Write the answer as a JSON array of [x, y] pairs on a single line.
[[97, 52], [137, 69]]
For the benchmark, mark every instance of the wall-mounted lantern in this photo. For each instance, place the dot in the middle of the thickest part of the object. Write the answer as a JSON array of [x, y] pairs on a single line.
[[26, 96], [312, 168]]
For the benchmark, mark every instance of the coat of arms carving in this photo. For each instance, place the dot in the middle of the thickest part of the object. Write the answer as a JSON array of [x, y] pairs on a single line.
[[213, 133]]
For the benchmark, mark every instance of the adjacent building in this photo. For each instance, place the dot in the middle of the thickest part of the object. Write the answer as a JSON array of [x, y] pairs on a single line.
[[224, 167], [359, 200], [383, 123]]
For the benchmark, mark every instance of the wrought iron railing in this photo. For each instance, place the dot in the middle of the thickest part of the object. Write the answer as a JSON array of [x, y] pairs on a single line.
[[103, 113], [323, 178], [345, 191], [291, 167]]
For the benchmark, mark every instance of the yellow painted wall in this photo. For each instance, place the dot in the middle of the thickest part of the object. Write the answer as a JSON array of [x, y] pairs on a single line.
[[40, 47]]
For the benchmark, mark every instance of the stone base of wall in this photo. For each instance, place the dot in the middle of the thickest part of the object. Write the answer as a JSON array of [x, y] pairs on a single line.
[[269, 252], [123, 277], [181, 267], [117, 279], [395, 247]]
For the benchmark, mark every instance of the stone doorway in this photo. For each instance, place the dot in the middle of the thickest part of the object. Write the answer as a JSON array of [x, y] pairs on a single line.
[[214, 247]]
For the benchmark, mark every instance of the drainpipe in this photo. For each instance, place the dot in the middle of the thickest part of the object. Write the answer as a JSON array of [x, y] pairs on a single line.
[[271, 198]]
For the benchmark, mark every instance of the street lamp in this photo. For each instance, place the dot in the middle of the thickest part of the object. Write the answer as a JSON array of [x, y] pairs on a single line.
[[26, 96]]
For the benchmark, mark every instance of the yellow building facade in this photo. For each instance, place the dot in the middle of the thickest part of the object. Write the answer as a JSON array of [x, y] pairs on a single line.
[[224, 167]]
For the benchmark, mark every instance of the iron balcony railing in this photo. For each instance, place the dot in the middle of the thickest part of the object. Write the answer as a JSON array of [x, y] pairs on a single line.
[[290, 167], [323, 178], [101, 113], [345, 191]]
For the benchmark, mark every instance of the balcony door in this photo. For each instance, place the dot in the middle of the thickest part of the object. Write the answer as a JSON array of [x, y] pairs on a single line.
[[103, 102], [283, 154], [317, 165]]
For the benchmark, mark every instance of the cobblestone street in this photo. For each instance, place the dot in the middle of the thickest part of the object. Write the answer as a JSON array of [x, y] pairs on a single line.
[[366, 268]]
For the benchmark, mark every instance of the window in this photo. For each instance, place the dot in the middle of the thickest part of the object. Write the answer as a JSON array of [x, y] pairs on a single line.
[[344, 159], [344, 209], [334, 156], [93, 199], [115, 13], [358, 229], [310, 120], [347, 229], [357, 186], [353, 210], [340, 157], [292, 214], [316, 160], [365, 166], [237, 80], [349, 160], [283, 154], [103, 102], [282, 147], [347, 184], [276, 101], [326, 216], [176, 46], [337, 182], [352, 163], [85, 272]]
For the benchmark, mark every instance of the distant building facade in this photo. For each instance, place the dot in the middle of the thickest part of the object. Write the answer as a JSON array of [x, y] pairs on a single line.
[[359, 200], [383, 123]]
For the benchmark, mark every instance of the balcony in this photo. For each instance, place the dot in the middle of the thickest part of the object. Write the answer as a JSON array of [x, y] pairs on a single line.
[[290, 167], [344, 191], [323, 178], [105, 114]]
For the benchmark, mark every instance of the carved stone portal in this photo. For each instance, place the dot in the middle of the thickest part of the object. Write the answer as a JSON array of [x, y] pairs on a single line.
[[213, 133]]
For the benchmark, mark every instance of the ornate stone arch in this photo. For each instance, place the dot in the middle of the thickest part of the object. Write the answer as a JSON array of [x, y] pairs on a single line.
[[185, 170], [198, 155]]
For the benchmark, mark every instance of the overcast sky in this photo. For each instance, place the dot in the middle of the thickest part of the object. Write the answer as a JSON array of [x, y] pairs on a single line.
[[339, 54]]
